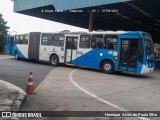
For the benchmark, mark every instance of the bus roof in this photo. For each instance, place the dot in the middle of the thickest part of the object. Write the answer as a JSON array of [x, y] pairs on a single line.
[[108, 32], [92, 33]]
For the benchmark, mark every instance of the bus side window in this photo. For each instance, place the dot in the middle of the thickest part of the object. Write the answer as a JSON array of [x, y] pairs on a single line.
[[58, 40], [69, 43], [97, 41], [110, 42], [74, 44], [85, 41], [21, 39], [46, 39], [12, 40], [25, 40], [17, 39]]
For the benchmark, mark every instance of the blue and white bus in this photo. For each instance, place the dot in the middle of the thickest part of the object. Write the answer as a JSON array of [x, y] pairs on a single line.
[[109, 51]]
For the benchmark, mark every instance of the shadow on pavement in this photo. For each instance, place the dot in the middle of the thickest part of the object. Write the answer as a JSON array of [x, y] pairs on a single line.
[[123, 74], [35, 62]]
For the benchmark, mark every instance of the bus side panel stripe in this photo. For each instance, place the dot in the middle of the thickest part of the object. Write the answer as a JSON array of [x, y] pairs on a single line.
[[20, 54]]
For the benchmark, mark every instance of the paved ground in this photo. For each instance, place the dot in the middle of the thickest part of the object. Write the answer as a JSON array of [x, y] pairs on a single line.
[[17, 71], [65, 89], [128, 91]]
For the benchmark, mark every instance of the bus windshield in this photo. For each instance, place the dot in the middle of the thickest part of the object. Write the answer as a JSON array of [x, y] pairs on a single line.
[[149, 46]]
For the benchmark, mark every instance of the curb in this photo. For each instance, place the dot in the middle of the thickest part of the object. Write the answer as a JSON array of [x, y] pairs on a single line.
[[11, 96]]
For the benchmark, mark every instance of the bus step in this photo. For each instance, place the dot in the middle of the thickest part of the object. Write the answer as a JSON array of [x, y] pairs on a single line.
[[70, 64]]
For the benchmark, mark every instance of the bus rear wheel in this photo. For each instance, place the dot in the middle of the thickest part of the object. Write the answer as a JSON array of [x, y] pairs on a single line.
[[16, 56], [107, 67], [54, 60]]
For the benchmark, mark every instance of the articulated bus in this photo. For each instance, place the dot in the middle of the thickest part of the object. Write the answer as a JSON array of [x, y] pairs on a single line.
[[109, 51]]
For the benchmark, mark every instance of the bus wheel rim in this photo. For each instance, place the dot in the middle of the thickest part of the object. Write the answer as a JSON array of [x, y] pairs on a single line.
[[107, 66], [54, 60]]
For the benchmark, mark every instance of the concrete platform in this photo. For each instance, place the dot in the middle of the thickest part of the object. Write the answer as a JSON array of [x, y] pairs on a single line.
[[11, 97]]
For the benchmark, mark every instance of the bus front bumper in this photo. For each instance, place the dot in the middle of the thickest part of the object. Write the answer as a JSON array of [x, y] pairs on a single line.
[[146, 69]]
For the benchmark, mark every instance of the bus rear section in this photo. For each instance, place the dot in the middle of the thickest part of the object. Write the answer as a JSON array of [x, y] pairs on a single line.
[[25, 46], [10, 45], [17, 45], [40, 47], [21, 46]]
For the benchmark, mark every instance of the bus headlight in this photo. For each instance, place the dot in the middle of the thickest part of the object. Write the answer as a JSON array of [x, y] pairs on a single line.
[[115, 58]]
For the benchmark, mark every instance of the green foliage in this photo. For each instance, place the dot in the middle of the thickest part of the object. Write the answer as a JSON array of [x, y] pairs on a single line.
[[3, 32]]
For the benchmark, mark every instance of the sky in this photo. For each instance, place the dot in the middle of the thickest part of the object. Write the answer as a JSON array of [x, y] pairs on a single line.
[[24, 24]]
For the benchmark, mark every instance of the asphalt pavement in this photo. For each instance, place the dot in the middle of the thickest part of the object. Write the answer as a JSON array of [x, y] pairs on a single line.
[[17, 71]]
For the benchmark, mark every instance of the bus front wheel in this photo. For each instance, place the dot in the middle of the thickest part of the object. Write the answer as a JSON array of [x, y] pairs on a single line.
[[107, 67], [54, 60], [16, 56]]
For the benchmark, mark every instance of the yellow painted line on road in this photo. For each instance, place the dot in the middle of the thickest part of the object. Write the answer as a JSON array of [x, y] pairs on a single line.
[[96, 97]]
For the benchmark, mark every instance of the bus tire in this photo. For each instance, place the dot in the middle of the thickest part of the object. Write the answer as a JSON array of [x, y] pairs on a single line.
[[16, 55], [54, 60], [107, 67]]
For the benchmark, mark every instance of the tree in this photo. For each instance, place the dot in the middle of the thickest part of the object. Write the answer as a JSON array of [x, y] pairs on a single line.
[[3, 32]]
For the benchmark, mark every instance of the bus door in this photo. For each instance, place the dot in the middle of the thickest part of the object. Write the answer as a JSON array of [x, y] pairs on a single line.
[[71, 50], [129, 54]]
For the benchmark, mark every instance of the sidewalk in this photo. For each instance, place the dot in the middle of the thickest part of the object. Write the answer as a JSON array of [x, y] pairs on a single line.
[[11, 97]]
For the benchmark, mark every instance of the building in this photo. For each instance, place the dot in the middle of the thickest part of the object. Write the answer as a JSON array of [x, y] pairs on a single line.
[[128, 15]]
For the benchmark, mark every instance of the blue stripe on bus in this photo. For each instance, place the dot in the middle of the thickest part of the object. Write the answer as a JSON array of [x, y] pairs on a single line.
[[89, 60], [93, 59], [20, 54]]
